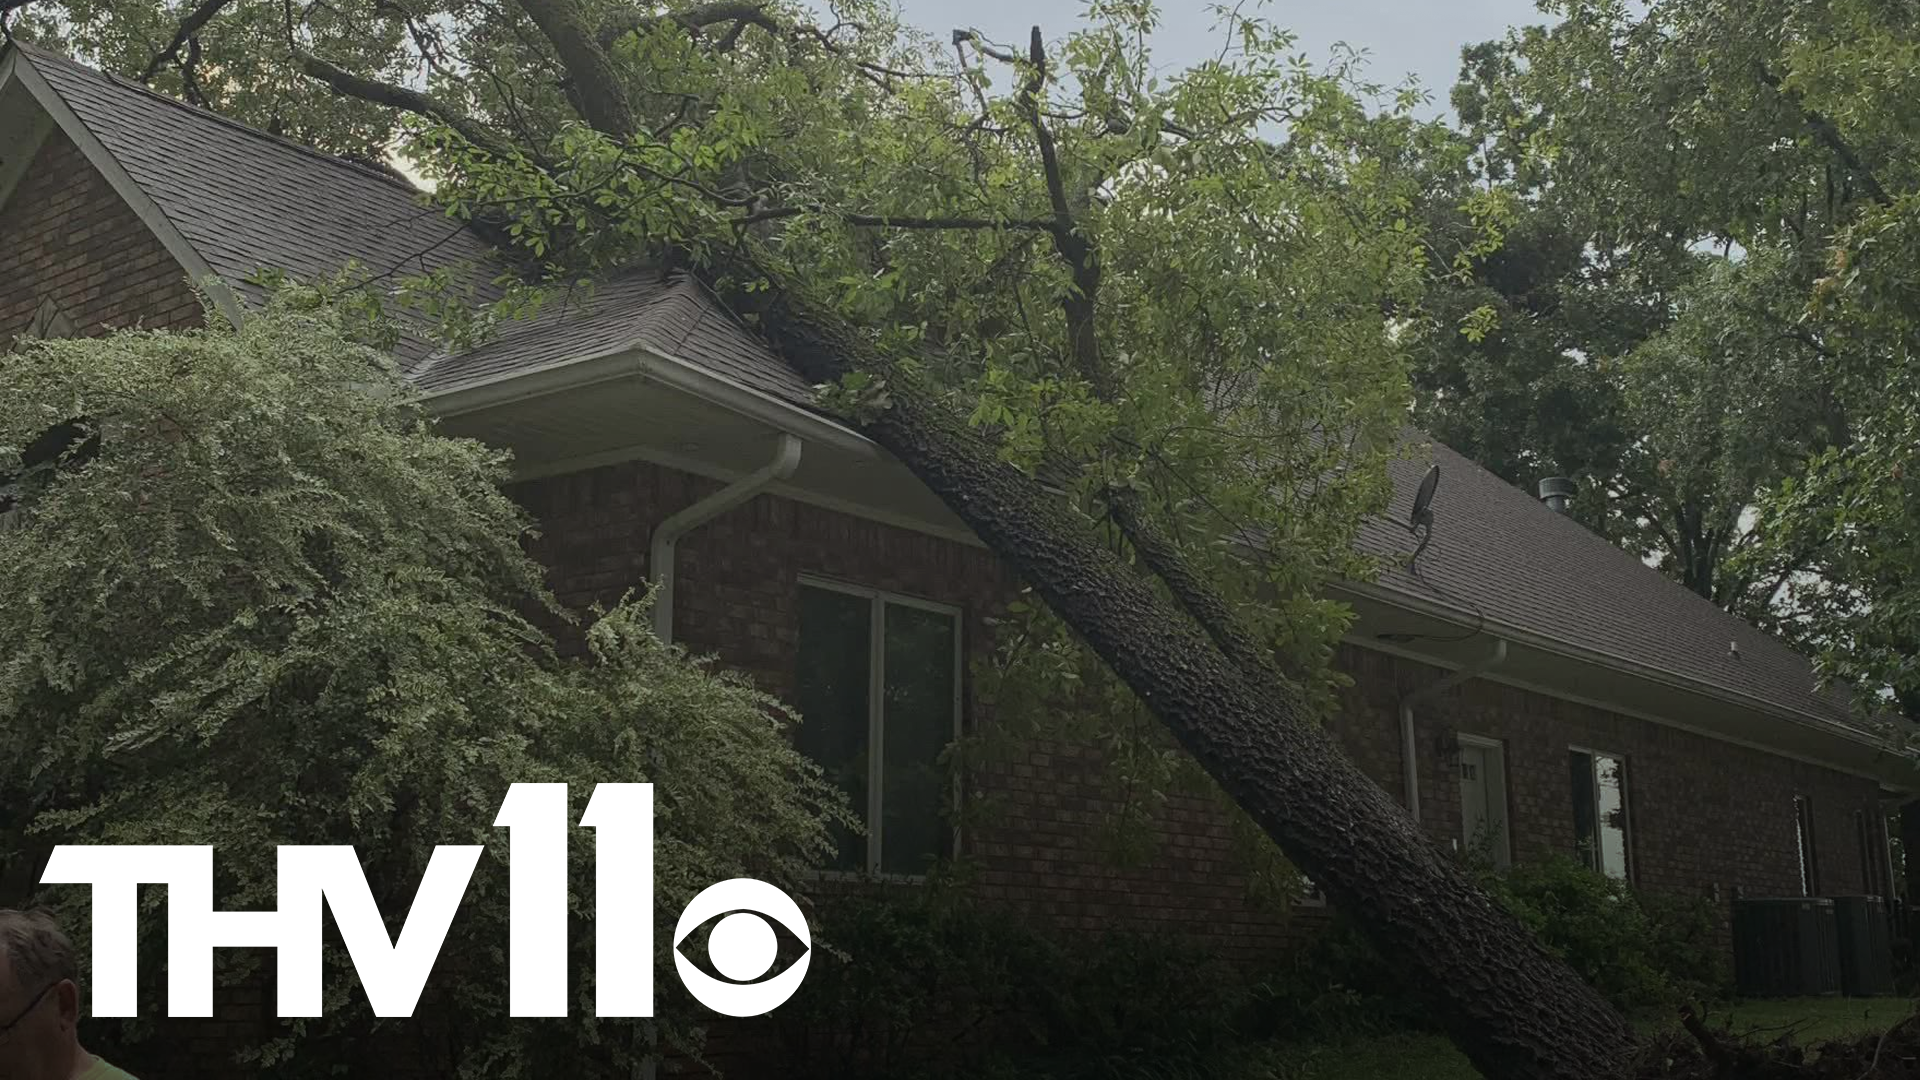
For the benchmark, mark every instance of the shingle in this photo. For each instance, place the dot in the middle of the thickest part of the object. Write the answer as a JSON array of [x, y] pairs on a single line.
[[1500, 553], [673, 315], [245, 199]]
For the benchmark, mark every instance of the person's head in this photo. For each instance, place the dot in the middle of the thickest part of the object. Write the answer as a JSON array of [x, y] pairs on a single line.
[[39, 998]]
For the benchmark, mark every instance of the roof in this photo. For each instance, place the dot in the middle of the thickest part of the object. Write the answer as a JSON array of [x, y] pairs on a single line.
[[667, 314], [1500, 559], [245, 199], [1500, 556]]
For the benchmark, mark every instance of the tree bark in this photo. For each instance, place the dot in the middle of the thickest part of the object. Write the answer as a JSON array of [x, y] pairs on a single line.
[[1516, 1012]]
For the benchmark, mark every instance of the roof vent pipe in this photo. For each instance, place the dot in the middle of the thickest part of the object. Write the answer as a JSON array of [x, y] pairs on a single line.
[[1555, 491]]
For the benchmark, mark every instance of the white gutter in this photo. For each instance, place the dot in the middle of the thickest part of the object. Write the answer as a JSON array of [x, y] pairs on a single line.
[[1610, 661], [624, 363], [1409, 752], [660, 555]]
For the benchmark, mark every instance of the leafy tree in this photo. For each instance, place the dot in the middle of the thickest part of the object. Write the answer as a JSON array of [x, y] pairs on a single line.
[[1854, 507], [1648, 339], [1771, 394], [1009, 259], [259, 601]]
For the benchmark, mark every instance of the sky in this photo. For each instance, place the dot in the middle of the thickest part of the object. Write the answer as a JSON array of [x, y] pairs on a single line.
[[1400, 37]]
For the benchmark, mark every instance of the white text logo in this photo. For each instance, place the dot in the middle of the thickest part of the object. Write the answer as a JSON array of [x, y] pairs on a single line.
[[394, 970]]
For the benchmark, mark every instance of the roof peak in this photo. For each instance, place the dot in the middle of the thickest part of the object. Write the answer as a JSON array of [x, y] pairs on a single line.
[[40, 55]]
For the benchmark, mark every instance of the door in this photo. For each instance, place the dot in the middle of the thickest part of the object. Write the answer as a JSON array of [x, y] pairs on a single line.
[[1483, 799]]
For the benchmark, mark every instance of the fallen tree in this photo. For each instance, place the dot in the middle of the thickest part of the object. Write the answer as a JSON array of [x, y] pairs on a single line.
[[1514, 1010]]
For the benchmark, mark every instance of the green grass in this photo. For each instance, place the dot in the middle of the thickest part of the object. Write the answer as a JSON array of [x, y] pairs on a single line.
[[1432, 1057], [1814, 1019]]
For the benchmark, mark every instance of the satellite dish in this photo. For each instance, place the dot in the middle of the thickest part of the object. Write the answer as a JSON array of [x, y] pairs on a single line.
[[1420, 522], [1423, 500]]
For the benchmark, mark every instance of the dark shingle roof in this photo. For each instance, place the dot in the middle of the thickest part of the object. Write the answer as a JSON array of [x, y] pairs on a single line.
[[1498, 553], [674, 315], [244, 199]]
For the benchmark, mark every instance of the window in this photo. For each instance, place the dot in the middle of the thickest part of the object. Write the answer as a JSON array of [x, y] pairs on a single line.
[[879, 700], [1803, 840], [1871, 866], [1600, 810]]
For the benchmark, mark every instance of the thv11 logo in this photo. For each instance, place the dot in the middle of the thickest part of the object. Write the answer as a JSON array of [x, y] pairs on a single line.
[[394, 971]]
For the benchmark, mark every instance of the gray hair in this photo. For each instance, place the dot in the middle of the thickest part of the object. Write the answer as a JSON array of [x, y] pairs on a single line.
[[38, 952]]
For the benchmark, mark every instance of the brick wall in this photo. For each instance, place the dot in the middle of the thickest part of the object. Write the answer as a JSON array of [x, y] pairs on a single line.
[[66, 236], [1702, 813], [1042, 847]]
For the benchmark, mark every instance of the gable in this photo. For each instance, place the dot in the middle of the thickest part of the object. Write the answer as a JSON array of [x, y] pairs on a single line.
[[74, 255], [237, 199]]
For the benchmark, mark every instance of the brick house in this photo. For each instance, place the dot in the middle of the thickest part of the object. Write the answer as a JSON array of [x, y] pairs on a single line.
[[1532, 686]]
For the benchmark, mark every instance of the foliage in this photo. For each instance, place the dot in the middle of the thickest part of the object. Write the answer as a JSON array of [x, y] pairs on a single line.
[[930, 984], [1742, 176], [1335, 988], [1646, 953], [1650, 343], [260, 601], [239, 64]]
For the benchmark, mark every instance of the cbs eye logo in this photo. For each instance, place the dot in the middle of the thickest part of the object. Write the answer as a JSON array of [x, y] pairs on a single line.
[[742, 947]]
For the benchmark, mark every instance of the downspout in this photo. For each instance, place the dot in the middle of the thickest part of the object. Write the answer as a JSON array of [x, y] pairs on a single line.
[[1409, 753], [660, 555]]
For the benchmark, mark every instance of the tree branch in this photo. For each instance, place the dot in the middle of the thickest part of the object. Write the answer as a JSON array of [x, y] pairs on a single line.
[[399, 97], [602, 97], [188, 27], [1196, 595], [891, 221], [740, 12], [1824, 129], [189, 80], [1082, 341]]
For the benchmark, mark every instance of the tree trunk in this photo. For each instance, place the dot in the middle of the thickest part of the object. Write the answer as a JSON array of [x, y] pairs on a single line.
[[1514, 1010]]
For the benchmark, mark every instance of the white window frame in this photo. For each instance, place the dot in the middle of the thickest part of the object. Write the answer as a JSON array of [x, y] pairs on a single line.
[[878, 600], [1503, 857], [1886, 855], [1626, 809]]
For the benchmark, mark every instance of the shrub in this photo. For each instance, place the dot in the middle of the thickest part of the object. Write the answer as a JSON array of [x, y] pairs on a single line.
[[1332, 989], [929, 985], [1645, 953], [260, 601]]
